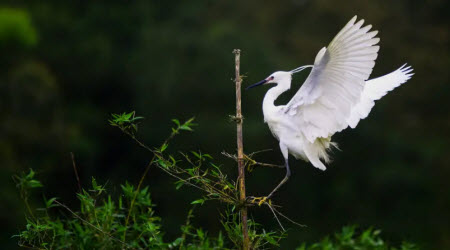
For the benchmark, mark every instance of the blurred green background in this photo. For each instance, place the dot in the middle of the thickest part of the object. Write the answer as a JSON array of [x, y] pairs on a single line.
[[67, 65]]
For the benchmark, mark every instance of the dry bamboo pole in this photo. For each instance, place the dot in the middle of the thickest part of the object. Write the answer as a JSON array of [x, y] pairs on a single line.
[[240, 151]]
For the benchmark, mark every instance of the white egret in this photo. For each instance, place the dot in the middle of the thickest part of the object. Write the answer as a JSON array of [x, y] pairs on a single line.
[[337, 94]]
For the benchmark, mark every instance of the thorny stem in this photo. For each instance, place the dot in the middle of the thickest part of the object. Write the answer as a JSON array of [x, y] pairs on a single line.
[[240, 150]]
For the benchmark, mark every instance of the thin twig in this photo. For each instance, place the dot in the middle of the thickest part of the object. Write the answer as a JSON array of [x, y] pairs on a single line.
[[181, 179], [76, 171], [135, 196], [156, 154], [273, 210], [251, 161], [275, 215], [24, 246], [287, 218], [143, 175], [262, 164], [186, 226], [260, 151]]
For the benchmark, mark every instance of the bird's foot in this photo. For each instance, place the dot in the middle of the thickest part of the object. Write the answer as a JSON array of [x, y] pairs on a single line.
[[258, 200]]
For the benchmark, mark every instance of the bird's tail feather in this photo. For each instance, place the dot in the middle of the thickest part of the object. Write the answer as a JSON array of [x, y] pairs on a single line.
[[318, 150]]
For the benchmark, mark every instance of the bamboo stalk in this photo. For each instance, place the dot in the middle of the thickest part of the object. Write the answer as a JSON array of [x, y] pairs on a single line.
[[240, 150]]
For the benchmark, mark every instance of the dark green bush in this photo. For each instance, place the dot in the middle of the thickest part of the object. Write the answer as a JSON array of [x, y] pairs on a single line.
[[350, 239], [16, 28], [100, 223], [127, 220]]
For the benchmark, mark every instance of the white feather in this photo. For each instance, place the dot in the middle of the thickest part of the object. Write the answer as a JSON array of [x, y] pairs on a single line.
[[335, 95], [324, 102], [375, 89]]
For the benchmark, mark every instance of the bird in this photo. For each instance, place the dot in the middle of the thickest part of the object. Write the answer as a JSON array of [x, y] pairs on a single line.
[[336, 95]]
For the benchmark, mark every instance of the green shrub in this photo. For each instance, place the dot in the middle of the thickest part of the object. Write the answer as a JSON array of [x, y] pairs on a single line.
[[127, 220], [350, 239], [16, 28], [100, 223]]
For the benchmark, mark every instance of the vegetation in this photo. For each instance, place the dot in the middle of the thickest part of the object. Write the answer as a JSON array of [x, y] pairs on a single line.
[[127, 219], [16, 29], [100, 224], [65, 66], [350, 239]]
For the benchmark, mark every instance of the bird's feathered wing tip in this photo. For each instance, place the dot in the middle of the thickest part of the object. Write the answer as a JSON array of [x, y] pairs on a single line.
[[336, 93], [376, 88], [323, 104]]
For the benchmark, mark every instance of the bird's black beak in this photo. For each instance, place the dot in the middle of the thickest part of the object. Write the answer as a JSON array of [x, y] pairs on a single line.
[[256, 84]]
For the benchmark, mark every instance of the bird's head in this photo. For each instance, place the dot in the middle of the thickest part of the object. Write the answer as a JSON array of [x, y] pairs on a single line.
[[279, 77]]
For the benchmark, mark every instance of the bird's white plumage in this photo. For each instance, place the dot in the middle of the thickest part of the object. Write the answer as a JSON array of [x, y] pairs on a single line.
[[376, 88], [324, 102], [335, 95]]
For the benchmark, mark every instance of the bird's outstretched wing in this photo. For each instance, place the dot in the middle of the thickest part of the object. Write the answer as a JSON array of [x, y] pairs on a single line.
[[376, 88], [323, 104]]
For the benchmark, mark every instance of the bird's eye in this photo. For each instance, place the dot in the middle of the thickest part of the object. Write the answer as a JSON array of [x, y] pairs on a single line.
[[271, 78]]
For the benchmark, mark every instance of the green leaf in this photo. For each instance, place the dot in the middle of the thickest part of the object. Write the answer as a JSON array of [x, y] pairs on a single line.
[[179, 184], [207, 156], [137, 118], [200, 234], [172, 159], [34, 184], [196, 154], [49, 203], [177, 241], [176, 121], [271, 240], [186, 127], [127, 116], [215, 166], [162, 163], [94, 184], [199, 201], [30, 175], [163, 147]]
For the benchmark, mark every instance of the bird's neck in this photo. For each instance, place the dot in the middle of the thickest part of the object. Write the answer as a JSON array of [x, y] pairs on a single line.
[[274, 93]]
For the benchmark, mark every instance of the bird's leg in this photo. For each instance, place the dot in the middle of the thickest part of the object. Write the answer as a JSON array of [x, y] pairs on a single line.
[[261, 200], [285, 152], [288, 174]]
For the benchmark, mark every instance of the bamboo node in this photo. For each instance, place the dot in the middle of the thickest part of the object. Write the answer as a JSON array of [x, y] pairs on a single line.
[[237, 119]]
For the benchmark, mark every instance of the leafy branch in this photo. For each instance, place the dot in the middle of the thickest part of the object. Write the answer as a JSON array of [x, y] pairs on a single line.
[[24, 183], [210, 179], [103, 222]]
